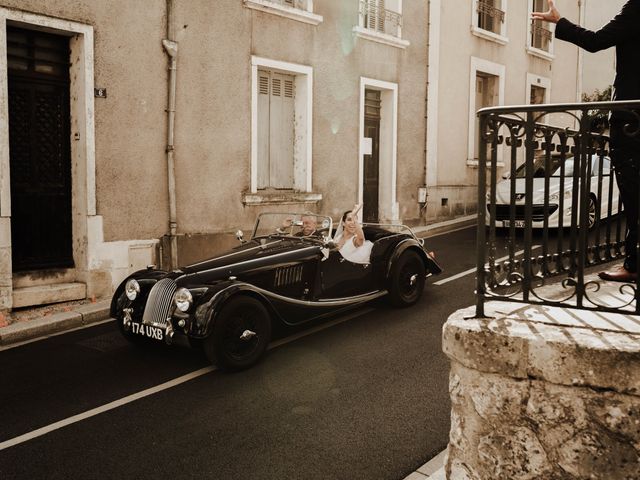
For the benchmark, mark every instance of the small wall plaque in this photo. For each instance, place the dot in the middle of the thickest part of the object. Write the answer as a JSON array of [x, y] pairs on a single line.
[[100, 92]]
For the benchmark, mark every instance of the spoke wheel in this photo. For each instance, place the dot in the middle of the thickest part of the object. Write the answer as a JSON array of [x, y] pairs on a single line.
[[407, 280], [592, 212], [241, 333]]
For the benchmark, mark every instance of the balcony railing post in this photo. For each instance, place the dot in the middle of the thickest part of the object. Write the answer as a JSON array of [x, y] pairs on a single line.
[[482, 213], [528, 206], [637, 246]]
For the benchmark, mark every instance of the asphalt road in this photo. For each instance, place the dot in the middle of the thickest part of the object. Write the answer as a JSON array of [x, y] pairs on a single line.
[[364, 396]]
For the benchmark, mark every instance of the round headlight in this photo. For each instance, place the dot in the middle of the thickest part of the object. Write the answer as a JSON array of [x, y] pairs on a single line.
[[183, 299], [132, 289]]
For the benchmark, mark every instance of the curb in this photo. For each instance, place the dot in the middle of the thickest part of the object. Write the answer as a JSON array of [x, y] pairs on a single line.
[[432, 470], [51, 324]]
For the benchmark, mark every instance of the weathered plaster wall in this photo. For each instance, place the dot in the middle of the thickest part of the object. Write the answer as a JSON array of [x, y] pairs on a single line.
[[543, 393], [214, 104], [216, 41]]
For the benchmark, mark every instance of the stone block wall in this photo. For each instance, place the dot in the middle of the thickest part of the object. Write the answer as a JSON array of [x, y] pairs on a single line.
[[540, 394]]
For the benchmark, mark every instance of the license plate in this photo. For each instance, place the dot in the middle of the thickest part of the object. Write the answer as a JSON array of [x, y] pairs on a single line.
[[147, 331], [517, 223]]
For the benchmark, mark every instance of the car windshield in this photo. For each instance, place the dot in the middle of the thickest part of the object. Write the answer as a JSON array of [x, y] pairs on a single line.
[[302, 225], [539, 167]]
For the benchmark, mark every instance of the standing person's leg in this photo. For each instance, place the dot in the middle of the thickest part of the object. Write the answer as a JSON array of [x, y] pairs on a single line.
[[626, 168], [625, 157]]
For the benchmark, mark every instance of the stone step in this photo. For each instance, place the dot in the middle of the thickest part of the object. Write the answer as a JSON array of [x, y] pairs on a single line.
[[45, 294]]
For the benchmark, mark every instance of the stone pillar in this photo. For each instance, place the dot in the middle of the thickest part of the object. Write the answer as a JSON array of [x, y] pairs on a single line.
[[543, 393]]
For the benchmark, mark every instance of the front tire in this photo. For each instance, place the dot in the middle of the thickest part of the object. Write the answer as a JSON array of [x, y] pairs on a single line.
[[240, 335], [407, 280]]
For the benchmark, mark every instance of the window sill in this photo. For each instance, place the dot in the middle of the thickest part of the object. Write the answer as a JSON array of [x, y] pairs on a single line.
[[284, 11], [281, 197], [473, 163], [487, 35], [380, 37], [536, 52]]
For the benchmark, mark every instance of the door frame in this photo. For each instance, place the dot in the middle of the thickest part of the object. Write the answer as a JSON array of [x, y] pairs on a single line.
[[388, 210], [81, 108]]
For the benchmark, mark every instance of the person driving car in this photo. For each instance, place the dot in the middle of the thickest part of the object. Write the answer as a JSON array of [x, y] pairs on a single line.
[[309, 225]]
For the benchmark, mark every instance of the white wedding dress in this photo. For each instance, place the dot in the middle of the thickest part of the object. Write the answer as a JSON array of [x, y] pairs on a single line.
[[356, 254]]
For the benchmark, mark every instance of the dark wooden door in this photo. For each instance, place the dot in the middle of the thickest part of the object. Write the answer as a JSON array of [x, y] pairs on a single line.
[[39, 145], [371, 171]]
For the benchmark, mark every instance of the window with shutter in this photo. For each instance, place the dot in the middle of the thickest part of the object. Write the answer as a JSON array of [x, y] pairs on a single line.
[[275, 130], [300, 10], [383, 16], [489, 20], [540, 34]]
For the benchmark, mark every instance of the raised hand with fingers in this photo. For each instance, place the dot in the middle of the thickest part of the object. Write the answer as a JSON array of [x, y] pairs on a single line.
[[552, 15]]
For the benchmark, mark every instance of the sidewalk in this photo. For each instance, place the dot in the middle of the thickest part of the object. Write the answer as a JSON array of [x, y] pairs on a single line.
[[31, 324]]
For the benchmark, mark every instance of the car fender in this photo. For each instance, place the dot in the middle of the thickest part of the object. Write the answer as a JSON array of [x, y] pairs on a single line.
[[412, 244], [213, 301]]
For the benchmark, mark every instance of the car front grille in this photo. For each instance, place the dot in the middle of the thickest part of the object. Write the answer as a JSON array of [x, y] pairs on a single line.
[[159, 302], [503, 212]]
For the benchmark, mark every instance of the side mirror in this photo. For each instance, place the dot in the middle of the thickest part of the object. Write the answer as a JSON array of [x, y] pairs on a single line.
[[240, 236]]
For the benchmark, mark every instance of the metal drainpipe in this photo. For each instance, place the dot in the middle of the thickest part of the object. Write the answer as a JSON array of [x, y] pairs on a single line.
[[171, 48], [583, 21]]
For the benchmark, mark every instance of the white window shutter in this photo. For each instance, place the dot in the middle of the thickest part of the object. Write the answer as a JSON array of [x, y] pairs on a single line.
[[281, 131], [263, 129]]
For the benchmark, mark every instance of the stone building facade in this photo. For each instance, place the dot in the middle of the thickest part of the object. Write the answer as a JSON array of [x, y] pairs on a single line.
[[135, 133]]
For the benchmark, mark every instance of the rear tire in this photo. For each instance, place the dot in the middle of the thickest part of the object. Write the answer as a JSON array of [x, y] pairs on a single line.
[[407, 279], [241, 333]]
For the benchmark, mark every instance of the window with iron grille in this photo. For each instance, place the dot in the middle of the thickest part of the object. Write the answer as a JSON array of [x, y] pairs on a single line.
[[540, 36], [300, 10], [301, 4], [490, 15], [489, 20], [382, 16]]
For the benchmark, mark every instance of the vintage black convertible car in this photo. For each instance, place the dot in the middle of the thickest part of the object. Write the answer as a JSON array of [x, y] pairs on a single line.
[[227, 304]]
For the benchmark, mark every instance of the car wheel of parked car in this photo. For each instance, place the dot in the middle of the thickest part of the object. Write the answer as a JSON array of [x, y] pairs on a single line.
[[406, 280], [240, 335]]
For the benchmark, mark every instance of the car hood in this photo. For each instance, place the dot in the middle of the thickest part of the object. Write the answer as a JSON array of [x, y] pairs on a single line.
[[503, 189], [248, 257]]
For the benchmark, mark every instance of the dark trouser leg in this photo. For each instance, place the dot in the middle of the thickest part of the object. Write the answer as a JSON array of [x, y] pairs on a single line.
[[625, 156]]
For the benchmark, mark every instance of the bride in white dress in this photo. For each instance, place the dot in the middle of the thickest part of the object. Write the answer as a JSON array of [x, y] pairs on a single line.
[[350, 239]]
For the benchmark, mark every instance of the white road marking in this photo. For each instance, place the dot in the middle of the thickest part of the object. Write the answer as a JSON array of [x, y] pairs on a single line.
[[104, 408], [163, 386], [473, 270]]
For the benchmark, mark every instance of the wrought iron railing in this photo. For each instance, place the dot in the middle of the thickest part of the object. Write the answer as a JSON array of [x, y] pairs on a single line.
[[489, 16], [376, 17], [556, 210], [541, 36]]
